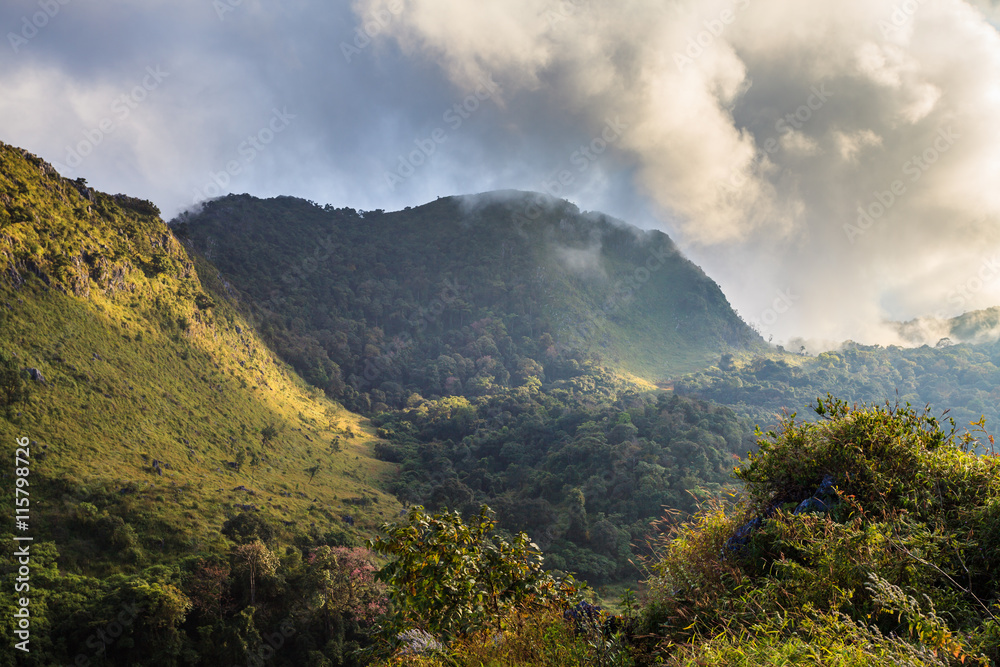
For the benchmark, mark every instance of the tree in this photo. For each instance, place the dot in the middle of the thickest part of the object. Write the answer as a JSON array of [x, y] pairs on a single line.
[[268, 433], [726, 362], [450, 578], [247, 527], [344, 582], [254, 560], [206, 588]]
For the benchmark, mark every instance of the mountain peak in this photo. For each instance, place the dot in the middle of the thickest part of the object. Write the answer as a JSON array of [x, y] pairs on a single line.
[[340, 285]]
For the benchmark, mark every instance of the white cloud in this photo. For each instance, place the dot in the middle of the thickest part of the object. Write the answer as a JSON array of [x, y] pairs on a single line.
[[751, 130], [912, 101], [852, 145]]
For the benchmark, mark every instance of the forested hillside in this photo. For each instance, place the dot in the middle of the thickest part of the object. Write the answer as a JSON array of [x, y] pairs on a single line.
[[867, 538], [180, 467], [584, 472], [506, 343], [963, 378], [193, 500], [462, 296]]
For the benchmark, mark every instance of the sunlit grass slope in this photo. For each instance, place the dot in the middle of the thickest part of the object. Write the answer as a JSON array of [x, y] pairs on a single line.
[[155, 401]]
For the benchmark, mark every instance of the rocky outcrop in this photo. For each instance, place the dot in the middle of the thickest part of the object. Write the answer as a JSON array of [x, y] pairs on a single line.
[[822, 500]]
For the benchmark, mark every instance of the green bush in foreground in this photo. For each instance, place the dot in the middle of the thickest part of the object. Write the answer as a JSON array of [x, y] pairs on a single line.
[[449, 578], [462, 594], [902, 568]]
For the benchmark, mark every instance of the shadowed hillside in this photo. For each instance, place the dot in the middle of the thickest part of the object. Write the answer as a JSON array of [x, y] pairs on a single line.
[[458, 296]]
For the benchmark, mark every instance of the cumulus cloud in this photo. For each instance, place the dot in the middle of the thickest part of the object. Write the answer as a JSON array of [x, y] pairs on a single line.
[[844, 150], [844, 153]]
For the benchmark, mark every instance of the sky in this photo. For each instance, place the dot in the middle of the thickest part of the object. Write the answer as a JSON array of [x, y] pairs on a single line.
[[832, 165]]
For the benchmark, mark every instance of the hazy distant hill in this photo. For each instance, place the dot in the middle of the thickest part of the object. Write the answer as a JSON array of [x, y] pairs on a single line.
[[464, 295], [977, 326], [963, 378]]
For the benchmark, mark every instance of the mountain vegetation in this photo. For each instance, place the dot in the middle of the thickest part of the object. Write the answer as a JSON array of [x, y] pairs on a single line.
[[962, 378], [584, 475], [462, 296], [178, 468], [866, 538], [275, 433], [504, 346]]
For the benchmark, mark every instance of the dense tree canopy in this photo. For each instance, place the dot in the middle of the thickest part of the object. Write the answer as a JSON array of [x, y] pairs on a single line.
[[964, 379], [583, 465]]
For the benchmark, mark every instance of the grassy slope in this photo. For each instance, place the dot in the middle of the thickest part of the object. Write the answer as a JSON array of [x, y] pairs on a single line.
[[136, 371]]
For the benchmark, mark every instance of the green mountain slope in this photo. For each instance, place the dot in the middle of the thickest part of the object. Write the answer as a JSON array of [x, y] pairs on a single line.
[[155, 415], [139, 363], [459, 295]]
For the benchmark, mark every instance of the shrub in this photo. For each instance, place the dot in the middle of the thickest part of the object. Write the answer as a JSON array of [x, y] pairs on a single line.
[[896, 570], [345, 583], [246, 527], [450, 578]]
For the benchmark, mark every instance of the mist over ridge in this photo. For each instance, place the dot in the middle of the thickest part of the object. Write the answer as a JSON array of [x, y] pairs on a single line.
[[843, 153]]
